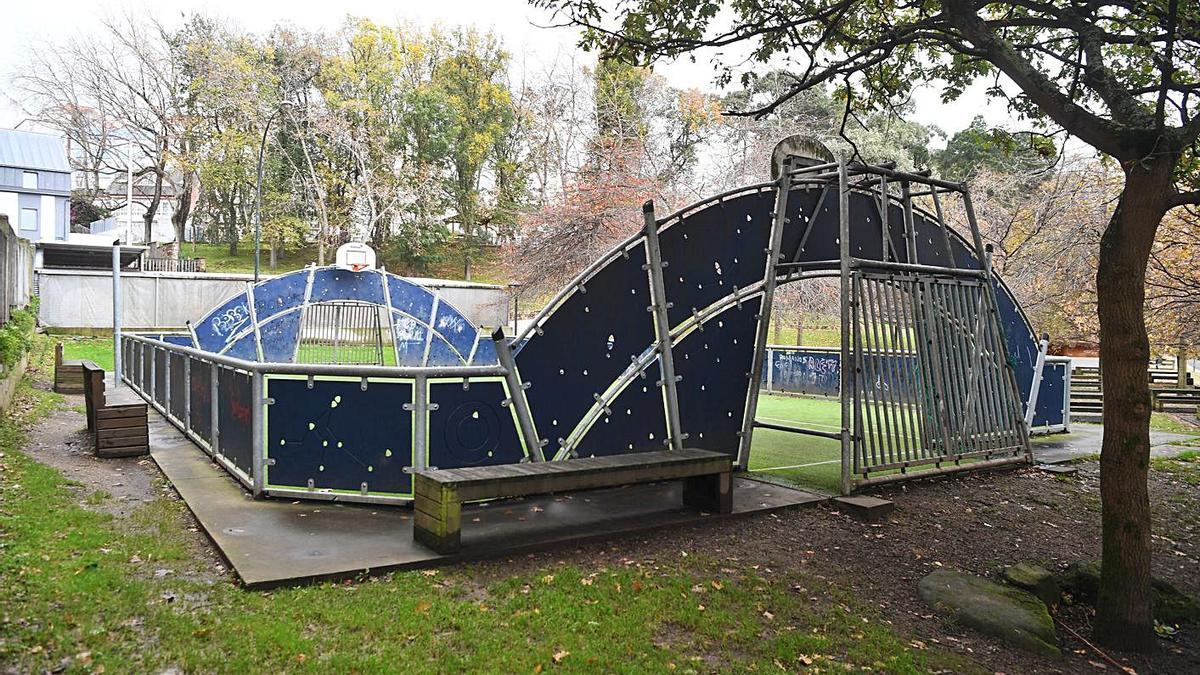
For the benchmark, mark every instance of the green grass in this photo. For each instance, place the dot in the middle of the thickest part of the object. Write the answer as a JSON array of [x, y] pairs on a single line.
[[488, 268], [83, 590], [808, 461], [1164, 422], [97, 349], [1185, 466]]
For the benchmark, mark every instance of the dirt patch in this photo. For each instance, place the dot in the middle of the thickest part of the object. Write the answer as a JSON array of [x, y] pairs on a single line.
[[116, 486]]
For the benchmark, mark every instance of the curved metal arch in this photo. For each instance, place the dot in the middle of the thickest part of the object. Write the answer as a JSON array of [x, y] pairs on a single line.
[[444, 329]]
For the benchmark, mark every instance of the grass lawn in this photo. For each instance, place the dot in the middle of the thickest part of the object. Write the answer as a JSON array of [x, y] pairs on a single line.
[[98, 349], [488, 268], [87, 591]]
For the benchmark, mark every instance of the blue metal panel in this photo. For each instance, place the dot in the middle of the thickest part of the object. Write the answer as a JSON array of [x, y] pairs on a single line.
[[219, 327], [234, 417], [714, 250], [200, 408], [485, 352], [245, 348], [442, 354], [331, 283], [714, 365], [805, 372], [1051, 396], [279, 336], [410, 298], [281, 294], [455, 329], [410, 336], [586, 343], [470, 427], [637, 423], [339, 436]]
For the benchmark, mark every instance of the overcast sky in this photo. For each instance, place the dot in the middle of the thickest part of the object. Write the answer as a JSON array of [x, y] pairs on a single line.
[[520, 25]]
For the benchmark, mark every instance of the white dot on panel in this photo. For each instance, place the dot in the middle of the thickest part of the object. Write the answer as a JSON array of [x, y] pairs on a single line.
[[554, 423], [729, 414], [644, 390], [631, 446], [651, 437], [475, 415], [561, 371], [628, 411], [585, 371]]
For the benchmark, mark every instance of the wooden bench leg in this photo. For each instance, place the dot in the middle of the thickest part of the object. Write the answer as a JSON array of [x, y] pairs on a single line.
[[712, 493], [437, 520]]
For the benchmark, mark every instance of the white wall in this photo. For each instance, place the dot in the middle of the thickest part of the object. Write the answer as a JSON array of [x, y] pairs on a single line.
[[9, 207], [46, 219], [83, 298]]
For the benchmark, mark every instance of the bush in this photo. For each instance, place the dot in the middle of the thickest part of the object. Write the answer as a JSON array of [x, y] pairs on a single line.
[[16, 336]]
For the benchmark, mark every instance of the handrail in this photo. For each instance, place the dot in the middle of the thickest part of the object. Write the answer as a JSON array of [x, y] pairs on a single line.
[[276, 368]]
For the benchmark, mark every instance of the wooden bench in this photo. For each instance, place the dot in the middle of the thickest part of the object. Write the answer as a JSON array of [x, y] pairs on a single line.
[[1161, 399], [68, 375], [439, 494], [116, 416]]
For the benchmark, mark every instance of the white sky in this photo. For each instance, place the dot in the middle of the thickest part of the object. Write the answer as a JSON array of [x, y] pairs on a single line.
[[515, 21]]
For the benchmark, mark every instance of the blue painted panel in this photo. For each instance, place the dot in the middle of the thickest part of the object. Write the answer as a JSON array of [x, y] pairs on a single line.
[[160, 376], [339, 436], [470, 428], [637, 424], [587, 342], [234, 417], [410, 298], [485, 352], [410, 339], [442, 354], [331, 283], [279, 336], [183, 340], [245, 348], [455, 328], [1051, 395], [713, 364], [219, 327], [816, 373], [280, 294], [200, 411], [713, 251]]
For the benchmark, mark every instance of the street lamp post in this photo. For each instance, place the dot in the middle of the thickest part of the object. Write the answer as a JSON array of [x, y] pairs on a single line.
[[258, 189]]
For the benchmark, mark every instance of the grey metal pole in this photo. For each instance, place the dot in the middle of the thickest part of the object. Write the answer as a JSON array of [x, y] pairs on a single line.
[[847, 378], [662, 325], [258, 198], [116, 263], [258, 465], [779, 220], [517, 399]]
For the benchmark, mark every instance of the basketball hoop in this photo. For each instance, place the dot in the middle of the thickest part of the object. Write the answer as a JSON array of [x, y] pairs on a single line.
[[355, 257]]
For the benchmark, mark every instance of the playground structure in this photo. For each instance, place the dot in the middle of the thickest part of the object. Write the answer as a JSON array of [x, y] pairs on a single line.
[[660, 344]]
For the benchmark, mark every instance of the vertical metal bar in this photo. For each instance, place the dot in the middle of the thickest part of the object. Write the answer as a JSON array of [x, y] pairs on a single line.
[[909, 370], [884, 225], [884, 367], [943, 334], [943, 226], [258, 467], [154, 377], [662, 326], [938, 367], [116, 308], [848, 399], [167, 384], [863, 366], [187, 392], [770, 360], [517, 399], [779, 220], [215, 412], [956, 327], [923, 393], [910, 229], [1066, 402], [420, 422]]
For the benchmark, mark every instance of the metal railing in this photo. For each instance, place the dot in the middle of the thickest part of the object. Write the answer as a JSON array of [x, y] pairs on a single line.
[[157, 264], [220, 403]]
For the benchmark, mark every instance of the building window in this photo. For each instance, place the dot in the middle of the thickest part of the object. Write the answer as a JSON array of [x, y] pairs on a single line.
[[29, 219], [29, 180]]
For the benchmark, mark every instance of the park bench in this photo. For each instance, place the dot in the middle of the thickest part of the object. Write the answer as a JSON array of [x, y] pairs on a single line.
[[68, 375], [116, 416], [439, 494], [1161, 399]]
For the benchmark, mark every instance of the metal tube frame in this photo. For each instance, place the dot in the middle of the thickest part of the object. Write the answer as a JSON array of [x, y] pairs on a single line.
[[662, 328], [778, 220]]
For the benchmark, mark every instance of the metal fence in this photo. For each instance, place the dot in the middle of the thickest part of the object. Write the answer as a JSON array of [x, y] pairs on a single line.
[[156, 264], [270, 424], [16, 271], [343, 332]]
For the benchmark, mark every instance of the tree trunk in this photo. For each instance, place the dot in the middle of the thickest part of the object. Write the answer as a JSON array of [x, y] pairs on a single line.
[[777, 324], [799, 328], [1124, 619], [274, 259]]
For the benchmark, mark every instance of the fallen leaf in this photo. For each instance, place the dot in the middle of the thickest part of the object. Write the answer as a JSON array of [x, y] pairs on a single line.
[[423, 606], [560, 655]]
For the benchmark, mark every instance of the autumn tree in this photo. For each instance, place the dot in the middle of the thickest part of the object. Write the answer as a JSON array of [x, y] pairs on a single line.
[[1120, 76]]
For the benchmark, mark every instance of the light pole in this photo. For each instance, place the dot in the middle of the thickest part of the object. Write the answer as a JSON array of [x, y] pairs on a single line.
[[258, 189]]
